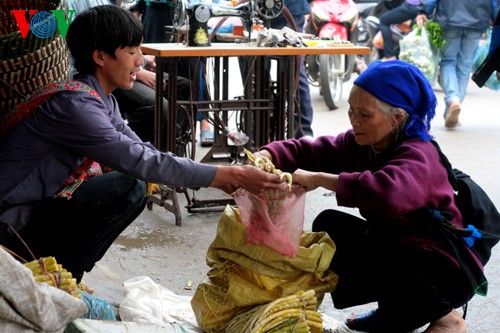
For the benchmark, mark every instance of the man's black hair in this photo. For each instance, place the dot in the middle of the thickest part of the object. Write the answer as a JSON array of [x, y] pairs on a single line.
[[105, 28]]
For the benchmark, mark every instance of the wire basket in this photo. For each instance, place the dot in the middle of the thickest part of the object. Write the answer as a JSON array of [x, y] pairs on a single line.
[[27, 64]]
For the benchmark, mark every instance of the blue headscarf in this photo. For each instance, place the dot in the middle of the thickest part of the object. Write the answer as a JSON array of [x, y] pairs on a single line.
[[402, 85]]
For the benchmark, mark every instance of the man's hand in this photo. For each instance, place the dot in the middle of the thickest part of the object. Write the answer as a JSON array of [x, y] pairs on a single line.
[[420, 20], [150, 63], [137, 13], [149, 78], [252, 179]]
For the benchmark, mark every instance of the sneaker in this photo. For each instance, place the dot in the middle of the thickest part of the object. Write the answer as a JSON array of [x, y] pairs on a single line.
[[451, 119]]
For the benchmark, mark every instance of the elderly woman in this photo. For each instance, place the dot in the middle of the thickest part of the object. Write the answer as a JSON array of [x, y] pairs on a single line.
[[387, 167]]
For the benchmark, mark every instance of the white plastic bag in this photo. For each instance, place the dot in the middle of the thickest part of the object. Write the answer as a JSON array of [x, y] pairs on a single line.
[[416, 49], [146, 301]]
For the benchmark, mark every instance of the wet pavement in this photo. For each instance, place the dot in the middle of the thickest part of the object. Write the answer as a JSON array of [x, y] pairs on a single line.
[[171, 255]]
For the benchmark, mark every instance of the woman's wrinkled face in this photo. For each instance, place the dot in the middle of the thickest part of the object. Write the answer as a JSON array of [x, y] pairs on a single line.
[[371, 125]]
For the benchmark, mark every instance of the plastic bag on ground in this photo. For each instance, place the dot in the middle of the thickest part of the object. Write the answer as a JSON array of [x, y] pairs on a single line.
[[98, 308], [145, 301], [275, 218]]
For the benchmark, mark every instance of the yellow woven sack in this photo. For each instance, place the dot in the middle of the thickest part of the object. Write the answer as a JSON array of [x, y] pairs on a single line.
[[243, 275]]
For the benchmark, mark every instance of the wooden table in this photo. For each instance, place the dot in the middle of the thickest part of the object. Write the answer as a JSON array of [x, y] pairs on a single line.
[[244, 49], [262, 99]]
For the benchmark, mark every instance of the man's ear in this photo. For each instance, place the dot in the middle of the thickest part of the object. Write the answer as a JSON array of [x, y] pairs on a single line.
[[97, 55]]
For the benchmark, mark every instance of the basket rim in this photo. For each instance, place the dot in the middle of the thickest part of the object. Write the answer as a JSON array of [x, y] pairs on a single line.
[[13, 94], [42, 66], [62, 66], [21, 61]]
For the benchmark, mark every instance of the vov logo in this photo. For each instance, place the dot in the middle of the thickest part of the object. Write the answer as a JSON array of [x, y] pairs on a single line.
[[43, 24]]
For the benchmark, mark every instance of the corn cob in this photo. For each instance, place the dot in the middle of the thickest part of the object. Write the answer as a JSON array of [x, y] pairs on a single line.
[[46, 270], [294, 313], [48, 264], [267, 165]]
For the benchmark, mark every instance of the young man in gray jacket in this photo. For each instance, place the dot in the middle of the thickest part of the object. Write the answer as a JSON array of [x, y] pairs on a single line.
[[76, 216]]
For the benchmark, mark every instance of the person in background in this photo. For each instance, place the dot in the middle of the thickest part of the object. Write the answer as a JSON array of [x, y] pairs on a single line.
[[407, 10], [76, 216], [463, 22], [395, 253], [155, 16], [298, 9], [384, 6], [138, 105]]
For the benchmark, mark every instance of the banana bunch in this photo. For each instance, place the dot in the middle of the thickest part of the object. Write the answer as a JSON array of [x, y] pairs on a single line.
[[295, 313], [266, 165], [48, 271]]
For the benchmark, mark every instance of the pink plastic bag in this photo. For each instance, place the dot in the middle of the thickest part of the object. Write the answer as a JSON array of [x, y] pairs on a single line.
[[275, 219]]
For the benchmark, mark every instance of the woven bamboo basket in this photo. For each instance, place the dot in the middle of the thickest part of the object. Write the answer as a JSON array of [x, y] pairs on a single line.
[[27, 64]]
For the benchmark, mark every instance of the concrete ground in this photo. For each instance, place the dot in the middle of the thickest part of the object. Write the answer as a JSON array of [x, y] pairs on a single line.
[[153, 246]]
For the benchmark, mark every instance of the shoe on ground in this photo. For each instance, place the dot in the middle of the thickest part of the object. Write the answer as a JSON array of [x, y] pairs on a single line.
[[451, 119], [206, 138], [367, 322]]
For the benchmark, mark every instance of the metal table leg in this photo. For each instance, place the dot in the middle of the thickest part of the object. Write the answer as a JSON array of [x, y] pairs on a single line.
[[166, 193]]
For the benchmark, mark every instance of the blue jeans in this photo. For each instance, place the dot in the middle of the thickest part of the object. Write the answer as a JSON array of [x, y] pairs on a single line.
[[79, 231], [456, 62], [400, 14]]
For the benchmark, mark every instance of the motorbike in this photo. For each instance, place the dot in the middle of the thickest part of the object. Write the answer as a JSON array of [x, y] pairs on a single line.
[[365, 9], [369, 25], [331, 20], [398, 31]]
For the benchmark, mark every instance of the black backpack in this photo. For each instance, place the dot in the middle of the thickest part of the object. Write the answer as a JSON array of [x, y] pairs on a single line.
[[482, 221]]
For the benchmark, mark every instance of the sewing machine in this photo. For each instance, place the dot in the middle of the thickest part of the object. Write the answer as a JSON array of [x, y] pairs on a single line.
[[198, 14]]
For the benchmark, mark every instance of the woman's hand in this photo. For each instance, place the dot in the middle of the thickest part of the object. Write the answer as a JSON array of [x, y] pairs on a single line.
[[306, 179], [313, 180], [264, 154]]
